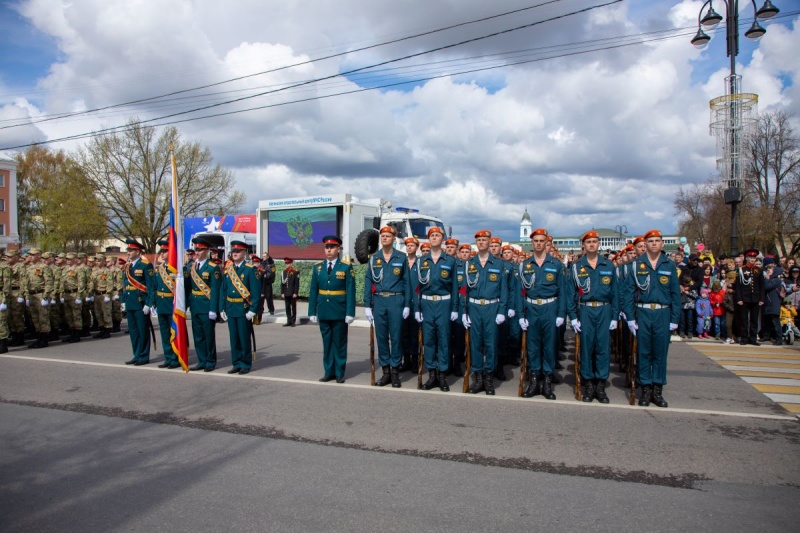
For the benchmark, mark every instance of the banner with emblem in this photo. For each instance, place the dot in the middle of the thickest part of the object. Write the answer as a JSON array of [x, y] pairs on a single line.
[[179, 336]]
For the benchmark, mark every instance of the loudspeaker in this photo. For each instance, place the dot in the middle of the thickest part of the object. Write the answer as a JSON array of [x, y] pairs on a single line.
[[732, 195]]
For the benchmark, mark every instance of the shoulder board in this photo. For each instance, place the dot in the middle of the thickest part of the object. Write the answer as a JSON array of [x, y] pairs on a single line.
[[249, 264], [345, 261], [144, 261], [321, 262]]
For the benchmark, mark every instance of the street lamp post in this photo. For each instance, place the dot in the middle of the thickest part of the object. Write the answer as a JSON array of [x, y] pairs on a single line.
[[733, 128], [621, 229]]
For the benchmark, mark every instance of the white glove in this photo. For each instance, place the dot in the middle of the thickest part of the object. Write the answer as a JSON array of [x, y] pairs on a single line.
[[511, 313], [3, 307], [466, 321], [348, 319], [632, 326], [106, 299], [312, 319], [62, 300], [406, 312], [673, 327], [453, 316], [212, 315], [116, 297], [78, 301], [523, 324], [418, 316], [20, 300], [499, 319], [612, 326], [368, 314], [622, 316], [122, 307], [249, 315], [576, 325], [145, 309], [559, 322], [90, 298], [53, 302], [45, 302], [224, 316]]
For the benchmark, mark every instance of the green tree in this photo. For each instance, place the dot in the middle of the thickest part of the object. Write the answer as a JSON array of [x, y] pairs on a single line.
[[131, 174], [57, 209]]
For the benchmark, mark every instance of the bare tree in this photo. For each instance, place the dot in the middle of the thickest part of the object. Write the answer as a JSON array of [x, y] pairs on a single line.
[[132, 177]]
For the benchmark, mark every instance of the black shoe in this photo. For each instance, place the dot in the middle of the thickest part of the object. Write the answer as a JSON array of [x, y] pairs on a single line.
[[532, 386], [500, 374], [395, 375], [244, 371], [658, 399], [488, 384], [385, 379], [233, 370], [339, 380], [141, 363], [588, 391], [554, 379], [777, 343], [742, 342], [547, 388], [325, 379], [163, 365], [405, 364], [455, 370], [644, 399], [755, 343], [174, 365], [432, 380], [292, 324], [4, 346], [286, 325], [559, 366], [115, 327], [600, 391], [130, 361], [477, 383], [208, 369], [196, 368], [443, 386]]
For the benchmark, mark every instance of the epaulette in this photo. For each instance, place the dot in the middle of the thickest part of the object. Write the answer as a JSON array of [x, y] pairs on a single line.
[[345, 261], [249, 264], [144, 261], [320, 263]]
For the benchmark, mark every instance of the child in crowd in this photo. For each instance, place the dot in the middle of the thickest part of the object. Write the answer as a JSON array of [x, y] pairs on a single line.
[[717, 297], [704, 314], [688, 298], [788, 312]]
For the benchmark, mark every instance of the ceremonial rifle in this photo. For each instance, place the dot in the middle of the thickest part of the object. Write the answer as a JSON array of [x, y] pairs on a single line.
[[252, 337], [371, 354], [152, 332], [421, 355], [468, 359], [578, 392], [523, 366], [631, 375]]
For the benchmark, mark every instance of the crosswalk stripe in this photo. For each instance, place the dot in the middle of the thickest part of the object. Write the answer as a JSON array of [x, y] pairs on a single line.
[[788, 382], [752, 359], [784, 398], [761, 369], [782, 389], [746, 373], [755, 356], [791, 407], [762, 363]]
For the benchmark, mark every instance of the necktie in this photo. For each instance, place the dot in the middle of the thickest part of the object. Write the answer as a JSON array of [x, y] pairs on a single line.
[[330, 267]]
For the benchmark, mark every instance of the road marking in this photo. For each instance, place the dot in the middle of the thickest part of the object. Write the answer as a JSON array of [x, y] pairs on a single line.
[[407, 390], [762, 363], [744, 374], [784, 398], [754, 357], [761, 369], [791, 407], [772, 381]]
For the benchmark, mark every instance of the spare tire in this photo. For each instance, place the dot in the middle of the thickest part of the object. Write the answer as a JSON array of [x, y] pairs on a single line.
[[366, 244]]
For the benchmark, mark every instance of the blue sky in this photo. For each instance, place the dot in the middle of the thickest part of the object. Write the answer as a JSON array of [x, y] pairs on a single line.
[[27, 52]]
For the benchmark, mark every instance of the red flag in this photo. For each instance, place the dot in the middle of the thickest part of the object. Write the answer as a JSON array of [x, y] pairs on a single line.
[[179, 337]]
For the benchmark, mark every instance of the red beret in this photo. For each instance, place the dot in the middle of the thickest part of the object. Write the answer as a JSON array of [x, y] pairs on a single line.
[[652, 233], [389, 229], [590, 235], [483, 233], [539, 231], [435, 229]]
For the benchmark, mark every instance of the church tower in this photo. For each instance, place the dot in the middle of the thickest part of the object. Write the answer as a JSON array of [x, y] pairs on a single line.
[[525, 227]]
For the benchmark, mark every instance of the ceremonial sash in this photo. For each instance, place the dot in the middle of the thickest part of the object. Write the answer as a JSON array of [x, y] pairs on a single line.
[[133, 281], [168, 281], [237, 283], [198, 281]]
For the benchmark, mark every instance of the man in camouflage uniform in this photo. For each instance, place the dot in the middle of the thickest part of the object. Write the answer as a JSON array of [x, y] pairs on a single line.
[[84, 264], [54, 308], [16, 302], [117, 275], [37, 289], [102, 291], [5, 296], [73, 289]]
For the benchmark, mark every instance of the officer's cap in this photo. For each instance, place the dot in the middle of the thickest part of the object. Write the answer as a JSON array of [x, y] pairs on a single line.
[[133, 244], [238, 246], [288, 260], [200, 243], [752, 252], [255, 259], [332, 239]]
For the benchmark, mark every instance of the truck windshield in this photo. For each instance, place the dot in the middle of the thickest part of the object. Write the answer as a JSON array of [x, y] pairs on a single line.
[[420, 226]]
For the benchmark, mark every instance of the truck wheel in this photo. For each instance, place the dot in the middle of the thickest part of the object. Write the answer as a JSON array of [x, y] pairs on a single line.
[[366, 244]]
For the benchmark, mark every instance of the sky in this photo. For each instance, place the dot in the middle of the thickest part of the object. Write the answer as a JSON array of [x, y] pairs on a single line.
[[587, 113]]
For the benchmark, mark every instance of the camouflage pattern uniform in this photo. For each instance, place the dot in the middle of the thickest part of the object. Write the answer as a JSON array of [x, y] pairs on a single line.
[[16, 308], [5, 296], [37, 289], [102, 285], [73, 289]]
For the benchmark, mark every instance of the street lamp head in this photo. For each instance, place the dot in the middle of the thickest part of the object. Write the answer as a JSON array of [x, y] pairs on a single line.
[[711, 20], [701, 39], [755, 32], [767, 11]]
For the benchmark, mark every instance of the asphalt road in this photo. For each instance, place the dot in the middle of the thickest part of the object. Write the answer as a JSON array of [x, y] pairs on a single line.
[[91, 444]]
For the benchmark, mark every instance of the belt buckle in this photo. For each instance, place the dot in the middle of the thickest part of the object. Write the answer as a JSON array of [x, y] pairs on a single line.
[[483, 302], [538, 301], [435, 298], [652, 306]]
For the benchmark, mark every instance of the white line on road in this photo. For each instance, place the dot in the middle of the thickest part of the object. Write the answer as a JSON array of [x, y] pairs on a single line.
[[408, 390], [772, 369], [771, 381], [782, 398]]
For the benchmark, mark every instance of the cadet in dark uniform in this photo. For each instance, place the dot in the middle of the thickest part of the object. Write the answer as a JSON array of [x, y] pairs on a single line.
[[201, 283], [457, 340], [163, 297], [410, 325], [484, 307], [268, 264], [652, 304], [593, 308], [387, 289], [136, 297], [238, 297], [332, 303], [749, 295], [290, 286]]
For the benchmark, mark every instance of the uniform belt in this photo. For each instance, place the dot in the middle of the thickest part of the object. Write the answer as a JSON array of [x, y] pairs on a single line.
[[435, 297], [332, 293], [541, 301], [484, 301], [652, 306], [15, 287], [101, 293], [594, 304], [165, 294], [197, 293], [234, 300], [69, 292], [388, 293], [36, 293]]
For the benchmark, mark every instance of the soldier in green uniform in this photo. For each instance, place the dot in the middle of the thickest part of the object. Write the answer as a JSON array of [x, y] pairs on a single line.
[[652, 305], [542, 312], [290, 287], [117, 275], [163, 298], [238, 300], [436, 308], [411, 327], [201, 282], [484, 306], [136, 294], [5, 297], [387, 290], [37, 289], [54, 307], [593, 309], [332, 304], [457, 332], [73, 289], [16, 303], [102, 285]]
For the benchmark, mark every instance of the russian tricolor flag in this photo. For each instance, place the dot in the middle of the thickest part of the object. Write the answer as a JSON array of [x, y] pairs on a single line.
[[179, 336]]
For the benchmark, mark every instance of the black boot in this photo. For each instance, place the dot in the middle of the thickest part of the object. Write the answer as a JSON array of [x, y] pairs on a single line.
[[4, 346], [455, 369], [101, 334], [37, 342], [115, 326], [43, 340], [658, 399], [488, 384], [432, 380], [547, 388], [588, 390], [532, 386], [477, 383], [17, 339], [76, 335], [443, 386], [600, 391], [385, 378], [499, 373], [644, 399], [414, 366], [69, 337], [85, 332], [405, 365], [395, 374], [53, 335]]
